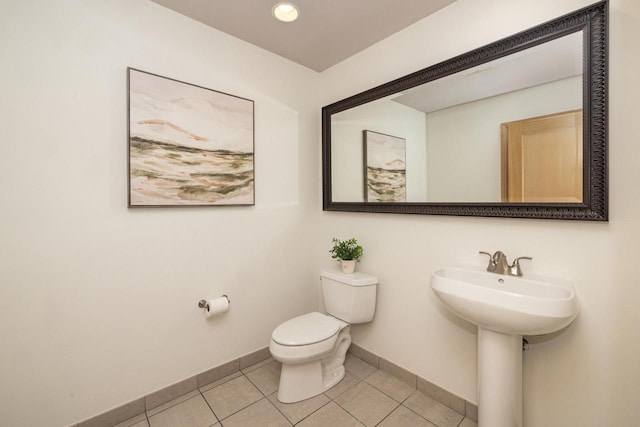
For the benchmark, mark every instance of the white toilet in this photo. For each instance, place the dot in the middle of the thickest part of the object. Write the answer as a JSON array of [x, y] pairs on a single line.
[[312, 347]]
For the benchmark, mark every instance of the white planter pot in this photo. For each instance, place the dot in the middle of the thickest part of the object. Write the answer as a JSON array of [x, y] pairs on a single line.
[[348, 266]]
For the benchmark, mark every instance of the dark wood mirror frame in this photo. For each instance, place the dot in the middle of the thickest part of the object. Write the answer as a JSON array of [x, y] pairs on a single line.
[[593, 21]]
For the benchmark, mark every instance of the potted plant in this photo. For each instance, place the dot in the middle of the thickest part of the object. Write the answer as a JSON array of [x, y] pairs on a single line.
[[348, 252]]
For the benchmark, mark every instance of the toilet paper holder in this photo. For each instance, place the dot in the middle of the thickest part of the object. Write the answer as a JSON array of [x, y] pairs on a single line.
[[204, 304]]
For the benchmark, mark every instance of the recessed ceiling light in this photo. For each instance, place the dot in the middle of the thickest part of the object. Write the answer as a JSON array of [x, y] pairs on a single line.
[[285, 12]]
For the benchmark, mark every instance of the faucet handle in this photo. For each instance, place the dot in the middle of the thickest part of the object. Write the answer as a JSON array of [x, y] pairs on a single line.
[[515, 267], [492, 262], [491, 259]]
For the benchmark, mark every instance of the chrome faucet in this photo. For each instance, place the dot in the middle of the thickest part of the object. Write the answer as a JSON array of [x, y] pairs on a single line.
[[498, 264]]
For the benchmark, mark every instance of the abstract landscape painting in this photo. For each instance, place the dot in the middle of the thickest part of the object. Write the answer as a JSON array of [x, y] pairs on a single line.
[[385, 177], [188, 145]]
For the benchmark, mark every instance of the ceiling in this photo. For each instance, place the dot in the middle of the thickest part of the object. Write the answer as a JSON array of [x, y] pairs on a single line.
[[554, 60], [326, 33]]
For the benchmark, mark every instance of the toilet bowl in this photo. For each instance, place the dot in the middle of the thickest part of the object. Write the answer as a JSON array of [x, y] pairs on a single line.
[[312, 347]]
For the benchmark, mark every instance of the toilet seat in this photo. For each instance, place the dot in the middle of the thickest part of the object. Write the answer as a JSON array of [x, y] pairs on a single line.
[[308, 329], [313, 347]]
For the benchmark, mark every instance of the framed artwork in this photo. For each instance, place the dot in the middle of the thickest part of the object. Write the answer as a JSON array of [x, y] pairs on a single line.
[[188, 145], [385, 177]]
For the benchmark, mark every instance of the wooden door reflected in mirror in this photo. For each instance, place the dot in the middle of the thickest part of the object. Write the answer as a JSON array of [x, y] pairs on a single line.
[[542, 159]]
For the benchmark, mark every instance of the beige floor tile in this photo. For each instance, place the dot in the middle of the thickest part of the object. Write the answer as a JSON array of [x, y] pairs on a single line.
[[345, 384], [261, 413], [433, 410], [296, 412], [139, 421], [193, 413], [266, 378], [468, 423], [366, 403], [358, 367], [232, 396], [330, 415], [390, 385], [403, 417]]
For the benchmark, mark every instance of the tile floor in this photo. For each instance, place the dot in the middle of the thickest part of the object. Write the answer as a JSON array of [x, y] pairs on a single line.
[[365, 397]]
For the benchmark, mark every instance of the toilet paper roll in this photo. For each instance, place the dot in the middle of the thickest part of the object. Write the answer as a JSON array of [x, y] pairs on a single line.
[[217, 306]]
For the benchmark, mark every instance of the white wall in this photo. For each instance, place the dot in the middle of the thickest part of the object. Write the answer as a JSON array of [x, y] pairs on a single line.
[[98, 303], [382, 116], [588, 374], [463, 141]]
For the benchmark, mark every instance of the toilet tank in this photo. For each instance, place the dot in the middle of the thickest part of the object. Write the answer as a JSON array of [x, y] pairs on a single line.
[[349, 297]]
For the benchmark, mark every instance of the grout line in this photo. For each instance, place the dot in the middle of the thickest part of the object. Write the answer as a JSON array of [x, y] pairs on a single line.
[[281, 413], [421, 416], [389, 414], [330, 400], [255, 385], [210, 408], [354, 384], [375, 388], [385, 393], [347, 411], [244, 407], [267, 396]]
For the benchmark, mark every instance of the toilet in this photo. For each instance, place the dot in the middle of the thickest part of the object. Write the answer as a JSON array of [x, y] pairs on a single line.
[[312, 347]]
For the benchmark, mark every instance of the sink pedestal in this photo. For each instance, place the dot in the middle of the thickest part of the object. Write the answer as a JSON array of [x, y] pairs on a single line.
[[505, 308], [499, 379]]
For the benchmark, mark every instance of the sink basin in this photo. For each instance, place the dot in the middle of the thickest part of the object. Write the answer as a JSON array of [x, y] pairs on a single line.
[[507, 304], [504, 308]]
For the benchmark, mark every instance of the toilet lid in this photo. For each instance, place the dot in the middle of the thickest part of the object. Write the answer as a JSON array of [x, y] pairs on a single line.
[[306, 329]]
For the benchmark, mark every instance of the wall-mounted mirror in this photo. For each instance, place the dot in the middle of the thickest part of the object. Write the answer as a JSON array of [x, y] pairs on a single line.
[[513, 129]]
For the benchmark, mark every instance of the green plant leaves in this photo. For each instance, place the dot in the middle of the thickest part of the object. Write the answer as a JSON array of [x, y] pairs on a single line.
[[346, 249]]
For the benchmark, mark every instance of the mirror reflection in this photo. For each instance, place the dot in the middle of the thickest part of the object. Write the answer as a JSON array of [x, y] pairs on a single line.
[[508, 130]]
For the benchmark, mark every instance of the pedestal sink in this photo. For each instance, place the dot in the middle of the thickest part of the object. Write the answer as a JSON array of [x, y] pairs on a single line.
[[505, 308]]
